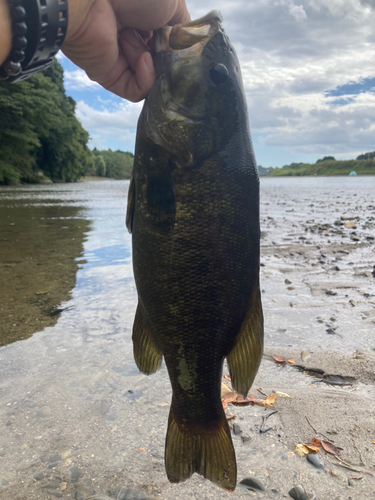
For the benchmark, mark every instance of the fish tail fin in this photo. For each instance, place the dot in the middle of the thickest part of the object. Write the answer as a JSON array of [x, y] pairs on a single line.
[[203, 448]]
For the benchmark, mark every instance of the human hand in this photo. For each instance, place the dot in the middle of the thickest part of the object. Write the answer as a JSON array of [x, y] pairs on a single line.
[[108, 39]]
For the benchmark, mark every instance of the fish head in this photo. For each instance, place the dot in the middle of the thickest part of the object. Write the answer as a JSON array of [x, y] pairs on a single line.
[[194, 106]]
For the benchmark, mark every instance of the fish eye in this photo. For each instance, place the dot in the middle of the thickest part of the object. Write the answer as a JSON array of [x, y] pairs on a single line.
[[219, 74]]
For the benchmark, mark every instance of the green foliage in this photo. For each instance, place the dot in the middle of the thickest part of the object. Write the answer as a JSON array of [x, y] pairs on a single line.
[[366, 156], [327, 167], [118, 164], [39, 131], [326, 158], [99, 166]]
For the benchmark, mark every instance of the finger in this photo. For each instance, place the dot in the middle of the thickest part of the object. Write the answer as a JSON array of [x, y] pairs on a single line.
[[133, 46], [134, 86], [181, 15]]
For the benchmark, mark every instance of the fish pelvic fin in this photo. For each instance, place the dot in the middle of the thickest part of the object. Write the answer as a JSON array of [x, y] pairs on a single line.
[[147, 355], [131, 205], [245, 357], [203, 448]]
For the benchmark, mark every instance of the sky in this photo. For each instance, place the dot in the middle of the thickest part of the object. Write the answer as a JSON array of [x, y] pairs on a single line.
[[309, 74]]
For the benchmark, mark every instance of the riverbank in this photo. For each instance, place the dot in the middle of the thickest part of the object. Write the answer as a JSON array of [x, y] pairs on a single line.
[[79, 420]]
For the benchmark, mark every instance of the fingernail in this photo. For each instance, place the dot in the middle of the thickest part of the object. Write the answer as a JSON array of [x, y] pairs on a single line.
[[133, 38]]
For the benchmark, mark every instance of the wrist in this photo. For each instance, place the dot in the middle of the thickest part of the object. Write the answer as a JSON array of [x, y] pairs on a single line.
[[5, 31]]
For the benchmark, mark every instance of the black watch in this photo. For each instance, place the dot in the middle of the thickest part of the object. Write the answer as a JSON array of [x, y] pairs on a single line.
[[39, 28]]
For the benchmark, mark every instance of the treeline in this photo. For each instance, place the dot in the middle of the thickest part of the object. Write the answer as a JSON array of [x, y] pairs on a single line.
[[363, 165], [40, 137], [112, 164]]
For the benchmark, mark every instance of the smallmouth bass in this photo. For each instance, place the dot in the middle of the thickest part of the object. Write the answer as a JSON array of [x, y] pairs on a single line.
[[193, 211]]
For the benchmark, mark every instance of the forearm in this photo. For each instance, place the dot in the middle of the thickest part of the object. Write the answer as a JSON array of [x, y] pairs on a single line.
[[5, 31]]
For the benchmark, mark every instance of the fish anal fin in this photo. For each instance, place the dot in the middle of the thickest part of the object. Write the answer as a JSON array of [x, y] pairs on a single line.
[[245, 357], [131, 205], [203, 448], [147, 355]]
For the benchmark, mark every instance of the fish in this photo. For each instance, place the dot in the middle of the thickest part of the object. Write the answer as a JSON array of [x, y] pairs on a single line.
[[193, 212]]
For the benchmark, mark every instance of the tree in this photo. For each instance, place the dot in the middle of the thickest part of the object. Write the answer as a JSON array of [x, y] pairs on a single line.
[[99, 166]]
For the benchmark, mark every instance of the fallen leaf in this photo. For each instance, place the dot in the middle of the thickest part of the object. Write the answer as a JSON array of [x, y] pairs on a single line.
[[329, 447], [229, 397], [225, 406], [312, 447], [240, 401], [291, 453], [315, 441], [282, 394], [373, 442], [291, 361], [302, 450], [270, 400], [227, 377], [224, 390], [63, 486], [279, 359]]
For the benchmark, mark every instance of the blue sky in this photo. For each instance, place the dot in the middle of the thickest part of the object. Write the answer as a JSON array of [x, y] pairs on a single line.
[[309, 75]]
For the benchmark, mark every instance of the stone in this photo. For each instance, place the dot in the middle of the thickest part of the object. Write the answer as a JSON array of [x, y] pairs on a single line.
[[75, 474], [4, 482], [129, 494], [255, 483], [82, 491], [298, 493], [55, 493], [237, 429], [315, 460], [44, 412], [38, 476]]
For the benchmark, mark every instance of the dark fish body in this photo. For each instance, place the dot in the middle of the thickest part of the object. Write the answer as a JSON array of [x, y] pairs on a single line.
[[193, 211]]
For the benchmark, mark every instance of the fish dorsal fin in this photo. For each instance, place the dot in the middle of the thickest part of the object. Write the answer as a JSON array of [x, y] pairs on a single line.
[[147, 355], [131, 205], [245, 357]]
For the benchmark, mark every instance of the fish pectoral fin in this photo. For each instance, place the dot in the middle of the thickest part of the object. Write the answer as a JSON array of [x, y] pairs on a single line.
[[245, 357], [131, 205], [203, 448], [147, 355]]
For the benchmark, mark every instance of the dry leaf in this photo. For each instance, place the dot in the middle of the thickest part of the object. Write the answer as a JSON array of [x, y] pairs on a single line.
[[373, 442], [227, 377], [63, 486], [282, 394], [229, 397], [291, 361], [225, 406], [329, 447], [240, 401], [224, 390], [315, 441], [279, 359], [270, 400], [312, 447], [302, 450]]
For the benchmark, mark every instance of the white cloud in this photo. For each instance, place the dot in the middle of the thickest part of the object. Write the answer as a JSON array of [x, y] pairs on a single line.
[[78, 80], [298, 12], [119, 122]]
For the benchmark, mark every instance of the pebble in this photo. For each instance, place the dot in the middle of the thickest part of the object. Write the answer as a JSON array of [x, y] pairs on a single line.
[[254, 483], [287, 282], [4, 482], [55, 493], [305, 355], [38, 476], [341, 479], [246, 438], [298, 493], [102, 408], [75, 474], [315, 460], [99, 496], [82, 491], [128, 494], [45, 411], [237, 429]]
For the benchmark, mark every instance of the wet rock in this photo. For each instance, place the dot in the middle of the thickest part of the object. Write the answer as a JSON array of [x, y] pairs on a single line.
[[133, 394], [102, 407], [82, 491], [246, 438], [38, 476], [99, 496], [331, 331], [298, 493], [237, 429], [129, 494], [65, 454], [44, 412], [52, 485], [4, 482], [330, 292], [254, 483], [287, 282], [55, 493], [315, 460], [75, 474]]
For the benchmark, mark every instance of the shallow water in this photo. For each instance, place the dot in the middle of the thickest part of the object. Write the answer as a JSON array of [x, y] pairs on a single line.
[[71, 395]]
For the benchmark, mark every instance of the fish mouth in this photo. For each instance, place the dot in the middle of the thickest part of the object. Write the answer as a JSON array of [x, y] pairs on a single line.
[[188, 35]]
